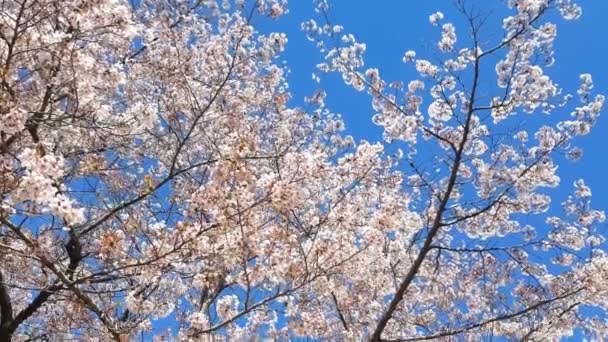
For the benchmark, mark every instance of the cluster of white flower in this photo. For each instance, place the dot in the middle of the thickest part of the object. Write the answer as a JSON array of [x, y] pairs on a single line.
[[397, 126], [586, 86], [440, 110], [545, 36], [227, 306], [6, 163], [409, 56], [546, 32], [136, 304], [448, 37], [581, 190], [547, 138], [373, 77], [531, 88], [574, 153], [530, 7], [415, 86], [145, 114], [585, 117], [578, 233], [37, 185], [504, 71], [569, 10], [435, 18], [13, 121], [345, 59], [426, 68], [285, 196], [271, 8], [277, 40], [199, 320], [318, 98]]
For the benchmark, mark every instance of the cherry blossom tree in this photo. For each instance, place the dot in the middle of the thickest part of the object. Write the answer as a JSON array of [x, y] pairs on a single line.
[[156, 179]]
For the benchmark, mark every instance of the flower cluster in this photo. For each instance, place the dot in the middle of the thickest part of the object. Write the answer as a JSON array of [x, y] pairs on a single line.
[[448, 37], [38, 185], [13, 121], [435, 18]]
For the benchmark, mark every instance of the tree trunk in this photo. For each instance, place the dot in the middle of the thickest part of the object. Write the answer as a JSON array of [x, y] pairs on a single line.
[[6, 335]]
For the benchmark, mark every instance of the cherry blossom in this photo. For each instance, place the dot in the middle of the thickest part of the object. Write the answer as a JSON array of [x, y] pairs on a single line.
[[159, 180], [435, 18]]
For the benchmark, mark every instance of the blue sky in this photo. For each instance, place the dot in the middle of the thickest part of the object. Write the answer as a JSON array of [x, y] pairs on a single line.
[[391, 27]]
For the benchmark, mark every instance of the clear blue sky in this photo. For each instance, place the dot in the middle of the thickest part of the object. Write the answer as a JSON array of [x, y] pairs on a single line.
[[391, 27]]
